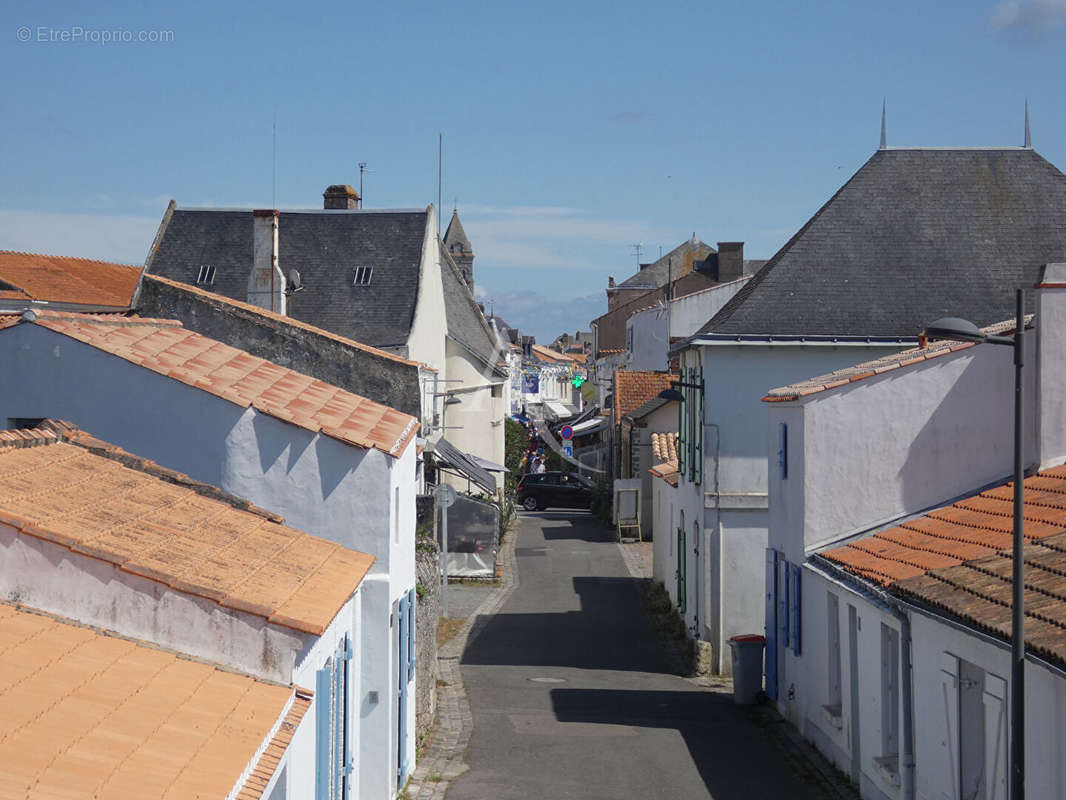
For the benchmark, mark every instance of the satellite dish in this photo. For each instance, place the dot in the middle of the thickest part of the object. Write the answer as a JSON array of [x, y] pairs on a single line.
[[295, 284]]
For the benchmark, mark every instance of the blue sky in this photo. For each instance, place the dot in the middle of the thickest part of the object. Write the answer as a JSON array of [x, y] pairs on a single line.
[[571, 131]]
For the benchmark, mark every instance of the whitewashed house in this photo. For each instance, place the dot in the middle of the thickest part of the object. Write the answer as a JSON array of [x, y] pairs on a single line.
[[165, 637], [649, 332], [379, 277], [853, 284], [327, 460], [889, 567]]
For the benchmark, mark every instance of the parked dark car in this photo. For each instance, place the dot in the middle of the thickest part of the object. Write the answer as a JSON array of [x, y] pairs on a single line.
[[554, 490]]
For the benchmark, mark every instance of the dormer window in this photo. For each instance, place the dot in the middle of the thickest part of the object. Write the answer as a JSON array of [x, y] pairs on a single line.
[[206, 275], [362, 276]]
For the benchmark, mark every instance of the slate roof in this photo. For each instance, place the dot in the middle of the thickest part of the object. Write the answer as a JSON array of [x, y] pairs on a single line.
[[916, 234], [93, 715], [62, 279], [466, 322], [167, 348], [957, 559], [286, 320], [325, 247], [658, 272], [877, 366], [455, 235], [95, 499], [634, 388]]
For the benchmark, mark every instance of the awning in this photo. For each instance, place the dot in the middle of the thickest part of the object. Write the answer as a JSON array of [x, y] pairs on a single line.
[[589, 426], [488, 466], [557, 409], [447, 453]]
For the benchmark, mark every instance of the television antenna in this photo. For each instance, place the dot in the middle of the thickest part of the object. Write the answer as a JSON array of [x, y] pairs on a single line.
[[363, 171], [638, 250]]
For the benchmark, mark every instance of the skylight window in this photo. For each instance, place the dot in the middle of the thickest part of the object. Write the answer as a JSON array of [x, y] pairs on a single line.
[[362, 276], [206, 276]]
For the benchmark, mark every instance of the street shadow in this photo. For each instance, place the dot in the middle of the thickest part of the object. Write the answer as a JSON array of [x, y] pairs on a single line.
[[611, 631], [735, 759]]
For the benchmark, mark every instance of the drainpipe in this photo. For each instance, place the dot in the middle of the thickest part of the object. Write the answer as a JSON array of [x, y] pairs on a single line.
[[890, 604]]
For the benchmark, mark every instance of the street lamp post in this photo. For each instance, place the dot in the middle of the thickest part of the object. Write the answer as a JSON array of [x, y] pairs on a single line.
[[961, 330]]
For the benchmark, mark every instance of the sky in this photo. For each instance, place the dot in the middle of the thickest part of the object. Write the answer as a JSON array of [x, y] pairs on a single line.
[[572, 132]]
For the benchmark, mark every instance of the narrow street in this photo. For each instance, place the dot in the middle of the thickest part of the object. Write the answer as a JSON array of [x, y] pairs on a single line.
[[571, 695]]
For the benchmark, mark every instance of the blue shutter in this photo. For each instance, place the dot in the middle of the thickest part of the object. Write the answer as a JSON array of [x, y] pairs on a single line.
[[342, 720], [782, 453], [771, 623], [323, 685], [782, 602], [794, 603], [412, 655]]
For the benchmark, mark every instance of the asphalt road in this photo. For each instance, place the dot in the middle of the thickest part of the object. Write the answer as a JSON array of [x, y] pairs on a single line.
[[572, 698]]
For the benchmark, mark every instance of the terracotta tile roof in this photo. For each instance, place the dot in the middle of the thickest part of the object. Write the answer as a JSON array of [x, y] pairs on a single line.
[[164, 346], [610, 352], [270, 759], [958, 559], [70, 492], [868, 369], [667, 471], [632, 389], [59, 279], [664, 446], [547, 354], [93, 715], [295, 323]]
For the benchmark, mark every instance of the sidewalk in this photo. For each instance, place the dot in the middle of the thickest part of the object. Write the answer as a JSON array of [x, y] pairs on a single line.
[[443, 760]]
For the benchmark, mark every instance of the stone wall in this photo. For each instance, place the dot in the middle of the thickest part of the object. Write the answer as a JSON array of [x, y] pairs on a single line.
[[377, 377], [427, 566]]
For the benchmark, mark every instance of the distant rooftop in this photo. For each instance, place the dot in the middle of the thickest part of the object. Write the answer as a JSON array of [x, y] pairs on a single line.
[[65, 280]]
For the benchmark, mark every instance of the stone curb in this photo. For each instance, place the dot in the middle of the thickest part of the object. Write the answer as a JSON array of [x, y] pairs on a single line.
[[443, 761]]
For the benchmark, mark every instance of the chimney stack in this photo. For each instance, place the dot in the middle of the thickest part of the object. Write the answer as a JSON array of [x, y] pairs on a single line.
[[266, 284], [730, 261], [340, 195]]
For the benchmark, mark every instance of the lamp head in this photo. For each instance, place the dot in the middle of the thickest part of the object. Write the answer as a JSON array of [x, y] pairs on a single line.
[[671, 394], [955, 329]]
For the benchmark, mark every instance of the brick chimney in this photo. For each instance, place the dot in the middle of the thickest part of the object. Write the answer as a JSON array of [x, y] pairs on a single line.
[[730, 261], [266, 284], [340, 195]]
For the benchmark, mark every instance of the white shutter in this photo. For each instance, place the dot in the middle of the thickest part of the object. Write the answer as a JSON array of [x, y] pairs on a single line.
[[945, 766], [995, 702]]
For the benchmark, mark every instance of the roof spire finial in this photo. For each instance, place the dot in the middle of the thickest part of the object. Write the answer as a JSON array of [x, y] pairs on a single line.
[[1028, 138], [884, 105]]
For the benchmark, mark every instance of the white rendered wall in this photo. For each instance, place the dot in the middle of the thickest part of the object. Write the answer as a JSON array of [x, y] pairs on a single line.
[[647, 331], [664, 522], [732, 500], [806, 676], [53, 578], [425, 342], [475, 423], [895, 444], [692, 311], [1047, 352]]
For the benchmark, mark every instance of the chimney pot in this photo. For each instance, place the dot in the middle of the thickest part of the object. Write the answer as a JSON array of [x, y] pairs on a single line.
[[340, 195]]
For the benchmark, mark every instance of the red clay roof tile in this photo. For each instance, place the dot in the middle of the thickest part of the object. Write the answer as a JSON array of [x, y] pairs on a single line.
[[171, 533], [94, 715], [958, 559], [165, 347], [633, 388], [60, 279]]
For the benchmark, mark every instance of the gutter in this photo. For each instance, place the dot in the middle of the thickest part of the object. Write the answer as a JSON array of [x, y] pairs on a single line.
[[722, 339], [892, 605]]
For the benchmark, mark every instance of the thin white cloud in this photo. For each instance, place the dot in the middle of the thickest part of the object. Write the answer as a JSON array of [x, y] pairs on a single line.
[[123, 239], [1032, 18]]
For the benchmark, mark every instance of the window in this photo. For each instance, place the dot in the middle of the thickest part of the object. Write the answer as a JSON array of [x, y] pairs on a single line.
[[333, 760], [682, 565], [972, 725], [206, 275], [362, 276]]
